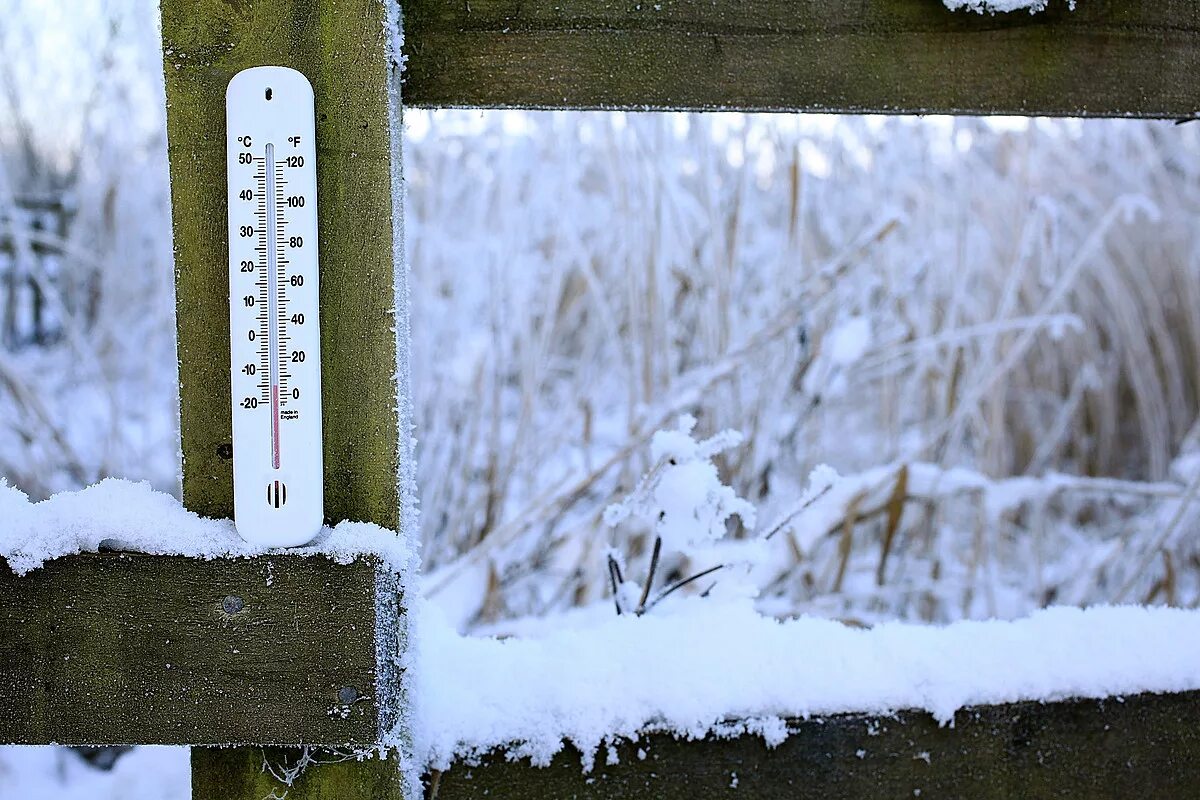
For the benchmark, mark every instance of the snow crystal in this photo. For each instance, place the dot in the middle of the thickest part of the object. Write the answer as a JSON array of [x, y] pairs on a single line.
[[123, 515], [698, 664]]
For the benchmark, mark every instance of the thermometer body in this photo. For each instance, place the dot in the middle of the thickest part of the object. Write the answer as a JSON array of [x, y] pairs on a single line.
[[274, 333]]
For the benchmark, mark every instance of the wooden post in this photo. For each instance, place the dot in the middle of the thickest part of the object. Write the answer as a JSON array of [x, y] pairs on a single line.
[[343, 47]]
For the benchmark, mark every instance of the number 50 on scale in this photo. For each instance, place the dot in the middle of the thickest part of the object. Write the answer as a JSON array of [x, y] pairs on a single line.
[[273, 289]]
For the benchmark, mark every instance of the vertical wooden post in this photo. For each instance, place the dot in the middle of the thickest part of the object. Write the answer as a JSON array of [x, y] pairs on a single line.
[[343, 47]]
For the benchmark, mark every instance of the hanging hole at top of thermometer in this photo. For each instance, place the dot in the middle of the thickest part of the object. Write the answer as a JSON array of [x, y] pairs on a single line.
[[273, 304]]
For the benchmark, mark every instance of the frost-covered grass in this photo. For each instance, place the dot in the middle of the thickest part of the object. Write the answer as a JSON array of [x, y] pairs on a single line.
[[896, 298], [81, 122], [1017, 300]]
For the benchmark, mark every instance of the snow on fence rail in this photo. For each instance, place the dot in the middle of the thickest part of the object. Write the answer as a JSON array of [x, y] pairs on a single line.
[[98, 647], [688, 669]]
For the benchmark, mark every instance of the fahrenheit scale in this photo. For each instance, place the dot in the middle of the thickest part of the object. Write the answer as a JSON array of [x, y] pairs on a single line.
[[273, 329]]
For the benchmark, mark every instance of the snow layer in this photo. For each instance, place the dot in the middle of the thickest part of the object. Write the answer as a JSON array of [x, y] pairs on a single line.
[[699, 664], [122, 515]]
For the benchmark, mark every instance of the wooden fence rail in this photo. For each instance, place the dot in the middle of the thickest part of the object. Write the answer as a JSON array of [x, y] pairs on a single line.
[[119, 648], [1136, 747], [1108, 58]]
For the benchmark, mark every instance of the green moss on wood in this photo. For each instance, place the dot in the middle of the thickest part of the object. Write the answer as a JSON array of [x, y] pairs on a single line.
[[340, 46], [225, 774]]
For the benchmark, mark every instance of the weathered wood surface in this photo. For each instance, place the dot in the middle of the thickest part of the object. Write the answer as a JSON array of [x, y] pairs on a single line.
[[340, 46], [1105, 58], [117, 648], [1140, 748]]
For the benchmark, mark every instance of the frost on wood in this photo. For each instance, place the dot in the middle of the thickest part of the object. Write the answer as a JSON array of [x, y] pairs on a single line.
[[405, 661], [997, 6], [122, 515], [593, 677]]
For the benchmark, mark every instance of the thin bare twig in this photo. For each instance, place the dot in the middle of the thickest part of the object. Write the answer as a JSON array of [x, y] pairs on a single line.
[[641, 608], [677, 586], [777, 527], [1161, 542], [614, 577]]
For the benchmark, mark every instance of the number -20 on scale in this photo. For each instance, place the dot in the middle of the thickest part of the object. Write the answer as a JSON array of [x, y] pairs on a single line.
[[273, 327]]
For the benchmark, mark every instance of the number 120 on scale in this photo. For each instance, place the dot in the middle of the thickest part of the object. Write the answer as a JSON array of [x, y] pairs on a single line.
[[273, 327]]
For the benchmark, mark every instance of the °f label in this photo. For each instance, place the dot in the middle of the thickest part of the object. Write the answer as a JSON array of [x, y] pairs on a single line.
[[273, 328]]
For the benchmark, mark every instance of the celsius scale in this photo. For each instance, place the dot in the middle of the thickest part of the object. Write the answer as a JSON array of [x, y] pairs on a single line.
[[275, 336]]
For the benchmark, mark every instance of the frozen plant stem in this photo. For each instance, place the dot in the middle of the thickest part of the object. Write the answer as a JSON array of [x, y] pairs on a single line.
[[614, 577], [679, 585], [795, 513], [641, 608]]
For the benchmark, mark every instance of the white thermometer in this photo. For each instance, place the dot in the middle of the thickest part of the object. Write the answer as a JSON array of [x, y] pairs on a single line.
[[275, 338]]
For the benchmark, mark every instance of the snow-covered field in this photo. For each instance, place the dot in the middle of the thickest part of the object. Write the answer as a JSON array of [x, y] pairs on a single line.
[[896, 299], [961, 358]]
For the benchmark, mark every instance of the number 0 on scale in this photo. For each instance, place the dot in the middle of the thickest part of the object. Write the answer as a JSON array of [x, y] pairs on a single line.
[[273, 327]]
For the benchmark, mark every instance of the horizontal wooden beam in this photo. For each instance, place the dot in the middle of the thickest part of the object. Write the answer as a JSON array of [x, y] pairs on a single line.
[[1106, 58], [118, 648], [1144, 747]]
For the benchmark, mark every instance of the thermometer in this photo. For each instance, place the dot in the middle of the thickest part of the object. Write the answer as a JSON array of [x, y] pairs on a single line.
[[273, 329]]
